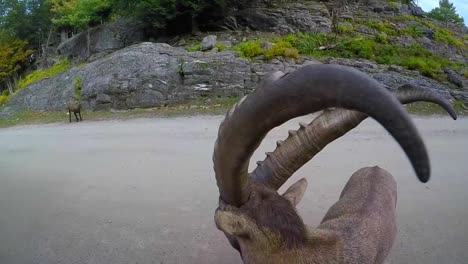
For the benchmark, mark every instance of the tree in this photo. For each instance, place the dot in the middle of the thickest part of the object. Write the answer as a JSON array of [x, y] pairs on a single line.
[[26, 19], [79, 14], [446, 13], [13, 54], [163, 14]]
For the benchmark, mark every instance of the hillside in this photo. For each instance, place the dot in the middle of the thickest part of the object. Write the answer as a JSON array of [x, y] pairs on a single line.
[[122, 67]]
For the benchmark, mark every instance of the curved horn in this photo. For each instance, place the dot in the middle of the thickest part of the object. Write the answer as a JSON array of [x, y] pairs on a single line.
[[309, 89], [300, 147]]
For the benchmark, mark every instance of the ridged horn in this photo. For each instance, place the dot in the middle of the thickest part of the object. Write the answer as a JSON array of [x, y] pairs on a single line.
[[276, 169], [311, 88]]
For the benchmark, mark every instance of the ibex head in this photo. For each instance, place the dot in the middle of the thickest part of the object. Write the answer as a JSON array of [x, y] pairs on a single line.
[[263, 225]]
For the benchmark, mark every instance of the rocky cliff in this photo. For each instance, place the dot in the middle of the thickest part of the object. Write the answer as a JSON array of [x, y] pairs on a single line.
[[154, 74]]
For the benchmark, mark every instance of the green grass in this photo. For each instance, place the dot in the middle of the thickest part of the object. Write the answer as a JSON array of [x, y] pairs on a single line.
[[282, 47], [42, 74], [444, 36], [193, 48], [381, 26], [413, 31], [376, 49], [345, 29], [221, 47], [218, 106], [3, 99]]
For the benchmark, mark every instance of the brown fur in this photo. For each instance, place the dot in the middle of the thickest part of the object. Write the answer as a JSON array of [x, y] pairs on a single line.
[[359, 228], [74, 106]]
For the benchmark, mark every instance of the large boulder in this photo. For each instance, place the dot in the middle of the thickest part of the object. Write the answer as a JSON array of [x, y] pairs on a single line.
[[308, 17], [102, 40], [139, 76]]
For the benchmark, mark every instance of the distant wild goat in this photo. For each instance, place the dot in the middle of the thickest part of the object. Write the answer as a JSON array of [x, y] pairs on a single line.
[[265, 226], [74, 106]]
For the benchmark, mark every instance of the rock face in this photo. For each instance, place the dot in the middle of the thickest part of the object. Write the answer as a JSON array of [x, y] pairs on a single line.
[[139, 76], [103, 40], [307, 17], [154, 74]]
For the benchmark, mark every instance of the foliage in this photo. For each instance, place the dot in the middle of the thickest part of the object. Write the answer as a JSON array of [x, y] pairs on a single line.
[[3, 99], [344, 28], [79, 14], [77, 84], [444, 36], [221, 47], [281, 47], [381, 26], [465, 74], [195, 47], [413, 30], [13, 53], [309, 44], [158, 14], [28, 20], [446, 13], [381, 38], [250, 49], [42, 74]]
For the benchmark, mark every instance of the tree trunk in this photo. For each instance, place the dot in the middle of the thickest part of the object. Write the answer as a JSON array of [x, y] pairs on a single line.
[[87, 43], [195, 28], [45, 63]]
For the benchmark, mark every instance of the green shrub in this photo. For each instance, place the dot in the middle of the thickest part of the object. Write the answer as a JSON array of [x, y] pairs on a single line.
[[413, 30], [282, 48], [345, 28], [465, 74], [194, 48], [381, 26], [394, 4], [221, 47], [5, 92], [250, 49], [309, 44], [42, 74], [3, 99], [381, 38], [444, 36], [77, 84]]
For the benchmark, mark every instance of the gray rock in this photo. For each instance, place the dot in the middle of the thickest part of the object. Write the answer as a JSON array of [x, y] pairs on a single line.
[[454, 78], [460, 95], [139, 76], [417, 11], [103, 39], [208, 43], [310, 17], [378, 9]]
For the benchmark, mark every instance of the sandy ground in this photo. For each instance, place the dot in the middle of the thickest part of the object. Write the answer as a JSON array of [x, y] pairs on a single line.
[[143, 190]]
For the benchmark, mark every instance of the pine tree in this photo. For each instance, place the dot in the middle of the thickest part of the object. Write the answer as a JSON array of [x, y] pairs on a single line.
[[446, 13]]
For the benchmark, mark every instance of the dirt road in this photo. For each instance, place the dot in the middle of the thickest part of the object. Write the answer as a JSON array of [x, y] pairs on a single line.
[[143, 190]]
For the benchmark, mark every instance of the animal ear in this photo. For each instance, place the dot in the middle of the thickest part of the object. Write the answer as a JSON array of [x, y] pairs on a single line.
[[296, 191], [233, 224]]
